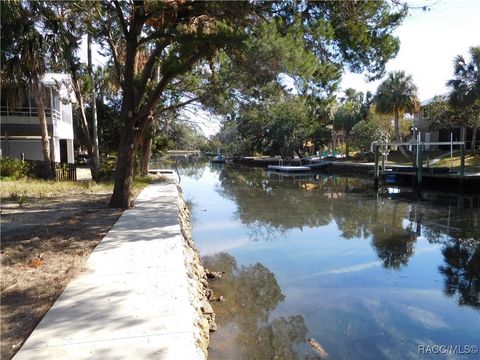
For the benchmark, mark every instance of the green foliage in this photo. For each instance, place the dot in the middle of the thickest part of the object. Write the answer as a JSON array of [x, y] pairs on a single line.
[[20, 199], [280, 126], [107, 169], [353, 108], [443, 115], [14, 168], [397, 93], [466, 84], [23, 47], [365, 132], [178, 136]]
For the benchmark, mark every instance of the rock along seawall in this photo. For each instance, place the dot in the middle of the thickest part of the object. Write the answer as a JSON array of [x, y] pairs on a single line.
[[199, 285]]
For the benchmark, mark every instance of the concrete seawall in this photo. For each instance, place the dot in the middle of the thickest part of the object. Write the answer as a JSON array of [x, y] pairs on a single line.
[[142, 294]]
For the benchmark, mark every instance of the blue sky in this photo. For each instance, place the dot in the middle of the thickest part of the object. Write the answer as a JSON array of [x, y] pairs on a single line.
[[429, 42]]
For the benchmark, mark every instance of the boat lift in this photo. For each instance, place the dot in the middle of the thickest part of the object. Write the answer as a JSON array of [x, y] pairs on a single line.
[[419, 146]]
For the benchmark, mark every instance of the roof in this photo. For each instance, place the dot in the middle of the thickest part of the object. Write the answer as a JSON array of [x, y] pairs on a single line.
[[63, 81], [429, 101], [55, 78]]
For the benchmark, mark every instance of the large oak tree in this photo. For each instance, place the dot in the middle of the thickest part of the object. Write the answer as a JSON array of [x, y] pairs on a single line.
[[151, 43]]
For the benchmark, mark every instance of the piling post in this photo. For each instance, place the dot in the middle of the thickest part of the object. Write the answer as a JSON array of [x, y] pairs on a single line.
[[462, 160], [462, 168], [419, 167], [376, 170], [383, 159], [414, 157]]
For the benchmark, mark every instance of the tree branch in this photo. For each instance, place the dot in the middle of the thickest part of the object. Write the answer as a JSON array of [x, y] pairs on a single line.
[[156, 34], [162, 84], [178, 105], [147, 69], [121, 18], [118, 68]]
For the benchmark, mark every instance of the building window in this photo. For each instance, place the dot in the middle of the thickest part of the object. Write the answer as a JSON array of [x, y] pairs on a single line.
[[424, 113]]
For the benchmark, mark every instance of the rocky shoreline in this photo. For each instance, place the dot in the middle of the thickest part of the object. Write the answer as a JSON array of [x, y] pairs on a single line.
[[198, 286]]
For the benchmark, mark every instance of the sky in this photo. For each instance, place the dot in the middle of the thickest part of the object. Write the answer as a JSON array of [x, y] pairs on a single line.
[[429, 41]]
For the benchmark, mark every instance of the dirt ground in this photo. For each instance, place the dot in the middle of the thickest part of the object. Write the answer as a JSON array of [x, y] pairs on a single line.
[[44, 244]]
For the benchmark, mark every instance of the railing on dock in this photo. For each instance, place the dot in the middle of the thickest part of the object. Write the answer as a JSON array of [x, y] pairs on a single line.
[[417, 160]]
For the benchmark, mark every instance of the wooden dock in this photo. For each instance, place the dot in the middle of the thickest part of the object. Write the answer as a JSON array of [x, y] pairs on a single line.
[[160, 171], [445, 182], [416, 175]]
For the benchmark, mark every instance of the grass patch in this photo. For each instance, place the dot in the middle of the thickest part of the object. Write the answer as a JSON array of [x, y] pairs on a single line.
[[12, 189], [472, 163], [33, 188]]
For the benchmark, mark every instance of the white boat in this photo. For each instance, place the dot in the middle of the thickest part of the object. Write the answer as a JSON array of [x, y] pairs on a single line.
[[288, 168], [304, 168]]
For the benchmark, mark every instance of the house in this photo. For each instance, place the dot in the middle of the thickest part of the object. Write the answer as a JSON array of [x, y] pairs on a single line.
[[20, 126], [422, 122]]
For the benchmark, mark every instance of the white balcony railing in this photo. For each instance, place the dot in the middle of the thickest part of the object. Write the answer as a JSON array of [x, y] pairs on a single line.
[[30, 112]]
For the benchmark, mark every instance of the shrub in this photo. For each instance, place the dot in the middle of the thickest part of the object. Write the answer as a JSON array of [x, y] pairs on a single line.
[[14, 168], [20, 199], [107, 169], [364, 132]]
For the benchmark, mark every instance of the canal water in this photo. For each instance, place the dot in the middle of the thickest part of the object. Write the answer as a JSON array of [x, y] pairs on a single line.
[[367, 275]]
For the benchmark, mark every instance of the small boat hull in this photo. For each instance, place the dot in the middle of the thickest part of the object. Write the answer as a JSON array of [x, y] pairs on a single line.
[[287, 168], [319, 165], [304, 168]]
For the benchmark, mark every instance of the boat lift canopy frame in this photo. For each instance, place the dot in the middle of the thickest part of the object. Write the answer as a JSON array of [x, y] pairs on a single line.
[[414, 143], [418, 160]]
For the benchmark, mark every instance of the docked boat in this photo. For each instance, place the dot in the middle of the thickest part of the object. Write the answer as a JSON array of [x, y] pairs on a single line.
[[302, 168], [218, 159], [318, 165], [288, 168]]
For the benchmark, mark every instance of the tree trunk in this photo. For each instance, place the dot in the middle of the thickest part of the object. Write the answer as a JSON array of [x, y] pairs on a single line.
[[44, 131], [334, 141], [145, 155], [83, 119], [95, 150], [88, 139], [398, 138], [474, 139], [125, 165]]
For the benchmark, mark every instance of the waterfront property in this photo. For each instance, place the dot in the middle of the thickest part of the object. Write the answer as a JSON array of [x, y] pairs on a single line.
[[422, 128], [20, 129]]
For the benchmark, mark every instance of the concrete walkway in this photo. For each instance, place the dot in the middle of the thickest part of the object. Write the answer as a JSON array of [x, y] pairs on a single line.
[[133, 299]]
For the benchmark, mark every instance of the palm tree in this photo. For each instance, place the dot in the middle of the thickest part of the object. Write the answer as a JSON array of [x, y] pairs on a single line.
[[397, 95], [466, 86], [23, 64]]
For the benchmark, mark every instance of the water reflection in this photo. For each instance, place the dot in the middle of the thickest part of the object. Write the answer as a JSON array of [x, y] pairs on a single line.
[[369, 275], [462, 271], [252, 293], [394, 248], [269, 206]]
